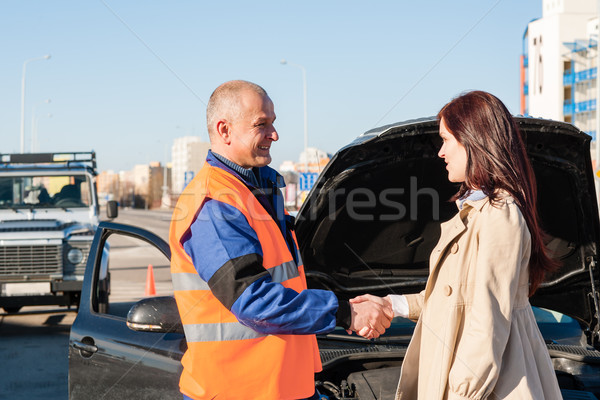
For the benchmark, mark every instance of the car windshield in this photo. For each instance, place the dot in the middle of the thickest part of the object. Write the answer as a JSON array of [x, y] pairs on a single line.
[[45, 191]]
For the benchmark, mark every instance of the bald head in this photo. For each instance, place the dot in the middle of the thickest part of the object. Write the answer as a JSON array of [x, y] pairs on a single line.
[[224, 103]]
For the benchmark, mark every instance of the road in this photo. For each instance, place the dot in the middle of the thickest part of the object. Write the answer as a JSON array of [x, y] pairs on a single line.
[[34, 343], [156, 222]]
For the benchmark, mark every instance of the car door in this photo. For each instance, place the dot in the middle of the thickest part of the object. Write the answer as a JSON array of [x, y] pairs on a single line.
[[107, 359]]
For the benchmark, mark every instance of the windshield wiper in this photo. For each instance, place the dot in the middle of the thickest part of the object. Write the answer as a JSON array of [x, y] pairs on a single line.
[[399, 339], [31, 207], [12, 207]]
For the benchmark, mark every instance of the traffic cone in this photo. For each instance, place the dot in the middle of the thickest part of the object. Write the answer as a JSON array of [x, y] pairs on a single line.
[[150, 288]]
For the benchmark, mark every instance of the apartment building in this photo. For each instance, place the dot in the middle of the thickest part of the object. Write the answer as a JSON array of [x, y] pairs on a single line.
[[559, 64], [188, 155]]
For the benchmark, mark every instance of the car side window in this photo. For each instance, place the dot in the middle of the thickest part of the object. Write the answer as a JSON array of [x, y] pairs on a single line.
[[131, 269]]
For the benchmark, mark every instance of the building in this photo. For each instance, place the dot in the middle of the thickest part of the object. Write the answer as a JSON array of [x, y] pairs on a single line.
[[559, 64], [145, 186], [108, 186], [167, 199], [300, 176], [287, 166], [149, 185], [158, 185], [312, 160], [126, 195], [187, 157]]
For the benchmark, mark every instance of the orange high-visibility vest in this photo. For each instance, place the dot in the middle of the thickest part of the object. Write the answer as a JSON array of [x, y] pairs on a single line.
[[225, 359]]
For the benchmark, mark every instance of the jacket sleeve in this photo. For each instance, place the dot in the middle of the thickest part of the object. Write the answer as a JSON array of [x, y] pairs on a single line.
[[228, 256], [504, 246]]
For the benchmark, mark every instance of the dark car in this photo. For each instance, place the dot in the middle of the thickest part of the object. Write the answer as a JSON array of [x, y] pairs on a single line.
[[368, 226]]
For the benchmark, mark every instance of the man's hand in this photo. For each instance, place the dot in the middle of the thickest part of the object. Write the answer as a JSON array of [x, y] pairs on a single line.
[[371, 315]]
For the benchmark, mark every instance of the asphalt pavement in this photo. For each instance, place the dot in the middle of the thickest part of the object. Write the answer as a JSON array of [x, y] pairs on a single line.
[[34, 353], [155, 221]]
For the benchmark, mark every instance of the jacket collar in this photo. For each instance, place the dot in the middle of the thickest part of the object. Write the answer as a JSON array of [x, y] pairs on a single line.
[[267, 176]]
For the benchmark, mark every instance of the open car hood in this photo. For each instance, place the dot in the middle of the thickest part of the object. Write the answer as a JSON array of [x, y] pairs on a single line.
[[373, 216]]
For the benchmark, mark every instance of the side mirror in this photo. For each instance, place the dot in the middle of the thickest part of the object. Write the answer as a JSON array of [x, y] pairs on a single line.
[[112, 209], [155, 314]]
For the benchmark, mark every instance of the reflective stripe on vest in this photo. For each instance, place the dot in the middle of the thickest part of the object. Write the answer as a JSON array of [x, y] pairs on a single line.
[[219, 332], [191, 281], [227, 330], [188, 281]]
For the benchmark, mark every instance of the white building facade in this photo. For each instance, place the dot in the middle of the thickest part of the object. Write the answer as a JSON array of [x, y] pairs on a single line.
[[187, 157], [558, 66]]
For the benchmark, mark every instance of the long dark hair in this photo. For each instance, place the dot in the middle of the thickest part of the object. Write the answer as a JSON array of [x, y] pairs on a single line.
[[497, 160]]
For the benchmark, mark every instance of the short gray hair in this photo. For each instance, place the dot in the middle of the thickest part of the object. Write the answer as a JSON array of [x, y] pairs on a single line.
[[224, 102]]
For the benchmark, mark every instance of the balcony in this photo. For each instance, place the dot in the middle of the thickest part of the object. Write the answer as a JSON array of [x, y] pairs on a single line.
[[585, 75], [568, 78], [568, 107], [583, 106]]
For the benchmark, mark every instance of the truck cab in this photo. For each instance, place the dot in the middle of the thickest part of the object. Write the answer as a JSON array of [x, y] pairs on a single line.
[[48, 216]]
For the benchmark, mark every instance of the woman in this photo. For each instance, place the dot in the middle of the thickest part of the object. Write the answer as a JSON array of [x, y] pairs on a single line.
[[476, 336]]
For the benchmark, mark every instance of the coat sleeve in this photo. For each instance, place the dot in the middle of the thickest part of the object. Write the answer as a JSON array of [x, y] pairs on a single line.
[[503, 248], [415, 304]]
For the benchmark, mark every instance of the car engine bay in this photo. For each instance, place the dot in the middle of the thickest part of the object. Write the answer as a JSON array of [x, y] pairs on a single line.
[[354, 369]]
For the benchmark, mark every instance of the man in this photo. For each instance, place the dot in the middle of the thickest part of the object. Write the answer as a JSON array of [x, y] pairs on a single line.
[[250, 322]]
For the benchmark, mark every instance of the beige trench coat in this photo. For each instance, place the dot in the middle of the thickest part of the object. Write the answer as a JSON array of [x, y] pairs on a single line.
[[476, 336]]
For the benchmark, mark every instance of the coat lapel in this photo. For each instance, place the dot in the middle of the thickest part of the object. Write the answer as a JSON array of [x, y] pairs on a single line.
[[450, 230]]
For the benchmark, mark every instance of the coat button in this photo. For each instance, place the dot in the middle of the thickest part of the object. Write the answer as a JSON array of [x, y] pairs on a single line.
[[454, 248], [447, 290]]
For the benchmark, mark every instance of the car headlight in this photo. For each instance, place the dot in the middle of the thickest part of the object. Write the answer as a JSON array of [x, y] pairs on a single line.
[[75, 256]]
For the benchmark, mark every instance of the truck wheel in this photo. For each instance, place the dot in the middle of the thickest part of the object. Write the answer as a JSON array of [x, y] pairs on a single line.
[[11, 310]]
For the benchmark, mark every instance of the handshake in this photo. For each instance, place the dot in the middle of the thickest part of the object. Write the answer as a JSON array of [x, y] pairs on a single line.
[[371, 315]]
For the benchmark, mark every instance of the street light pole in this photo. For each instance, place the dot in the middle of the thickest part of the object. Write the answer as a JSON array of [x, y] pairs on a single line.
[[46, 57], [284, 62]]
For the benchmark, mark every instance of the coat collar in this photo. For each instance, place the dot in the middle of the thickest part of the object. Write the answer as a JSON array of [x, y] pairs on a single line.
[[478, 204], [265, 176]]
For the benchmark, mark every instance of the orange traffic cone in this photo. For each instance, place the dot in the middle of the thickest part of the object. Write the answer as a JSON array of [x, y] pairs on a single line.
[[150, 288]]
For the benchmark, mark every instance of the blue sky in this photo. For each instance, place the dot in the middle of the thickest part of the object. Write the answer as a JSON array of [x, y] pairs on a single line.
[[127, 77]]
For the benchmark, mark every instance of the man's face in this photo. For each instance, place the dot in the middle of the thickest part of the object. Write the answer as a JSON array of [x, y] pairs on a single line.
[[252, 131]]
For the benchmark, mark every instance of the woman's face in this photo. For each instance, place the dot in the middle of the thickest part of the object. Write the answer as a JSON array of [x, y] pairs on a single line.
[[454, 154]]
